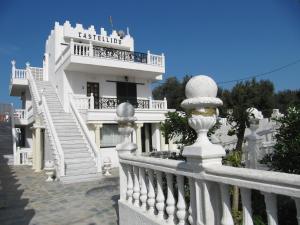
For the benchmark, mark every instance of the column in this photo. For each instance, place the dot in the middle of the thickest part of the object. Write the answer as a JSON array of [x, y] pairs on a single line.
[[147, 138], [33, 149], [97, 134], [139, 137], [38, 147], [156, 136], [162, 141]]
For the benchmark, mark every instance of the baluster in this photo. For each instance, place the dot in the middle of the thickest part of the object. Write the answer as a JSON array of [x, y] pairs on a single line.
[[271, 208], [143, 196], [129, 184], [160, 198], [226, 214], [136, 186], [247, 208], [170, 200], [151, 193], [181, 206], [297, 202], [123, 181], [192, 207]]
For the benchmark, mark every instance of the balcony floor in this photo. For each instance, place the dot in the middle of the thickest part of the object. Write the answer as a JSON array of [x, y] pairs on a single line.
[[25, 198]]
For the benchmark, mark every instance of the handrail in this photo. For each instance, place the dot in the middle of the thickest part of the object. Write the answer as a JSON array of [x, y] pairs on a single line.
[[53, 133], [35, 90], [266, 181], [87, 135]]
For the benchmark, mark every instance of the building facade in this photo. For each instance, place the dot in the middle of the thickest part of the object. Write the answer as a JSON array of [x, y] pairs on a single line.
[[68, 105]]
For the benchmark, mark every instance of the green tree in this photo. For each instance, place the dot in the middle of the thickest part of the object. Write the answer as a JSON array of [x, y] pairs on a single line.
[[286, 98], [173, 90], [286, 154]]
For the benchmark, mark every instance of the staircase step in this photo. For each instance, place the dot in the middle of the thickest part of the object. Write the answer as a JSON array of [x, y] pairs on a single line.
[[77, 155], [82, 171], [80, 178], [82, 165], [77, 160]]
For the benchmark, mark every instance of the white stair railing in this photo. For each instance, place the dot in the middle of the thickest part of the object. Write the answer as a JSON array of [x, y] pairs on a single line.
[[40, 106], [85, 131], [58, 152]]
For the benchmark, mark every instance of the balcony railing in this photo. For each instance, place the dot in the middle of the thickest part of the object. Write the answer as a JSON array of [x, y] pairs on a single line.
[[84, 102], [20, 114], [89, 50]]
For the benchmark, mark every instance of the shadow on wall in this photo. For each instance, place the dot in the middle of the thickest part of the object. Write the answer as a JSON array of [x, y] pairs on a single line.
[[12, 205]]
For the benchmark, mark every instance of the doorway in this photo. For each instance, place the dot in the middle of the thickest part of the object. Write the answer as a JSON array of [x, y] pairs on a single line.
[[126, 92], [93, 87]]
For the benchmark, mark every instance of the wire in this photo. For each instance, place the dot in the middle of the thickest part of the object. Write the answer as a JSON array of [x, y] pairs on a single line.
[[261, 74]]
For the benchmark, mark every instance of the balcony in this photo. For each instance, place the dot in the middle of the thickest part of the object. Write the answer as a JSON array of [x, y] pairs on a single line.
[[19, 78], [87, 58], [104, 109], [23, 116]]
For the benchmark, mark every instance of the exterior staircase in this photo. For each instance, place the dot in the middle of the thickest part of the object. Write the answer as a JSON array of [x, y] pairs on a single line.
[[79, 162], [6, 144]]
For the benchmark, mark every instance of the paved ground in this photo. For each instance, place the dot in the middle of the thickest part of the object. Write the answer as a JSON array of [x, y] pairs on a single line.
[[25, 198]]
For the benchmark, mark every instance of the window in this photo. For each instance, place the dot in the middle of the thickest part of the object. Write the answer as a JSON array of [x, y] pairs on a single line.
[[109, 136]]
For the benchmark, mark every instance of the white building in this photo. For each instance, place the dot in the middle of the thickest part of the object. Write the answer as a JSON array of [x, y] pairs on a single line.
[[68, 105]]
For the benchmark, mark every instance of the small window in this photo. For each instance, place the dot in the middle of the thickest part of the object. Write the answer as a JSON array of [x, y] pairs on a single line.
[[109, 136]]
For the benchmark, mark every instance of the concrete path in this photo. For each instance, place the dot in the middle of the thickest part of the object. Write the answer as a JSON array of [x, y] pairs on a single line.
[[25, 198]]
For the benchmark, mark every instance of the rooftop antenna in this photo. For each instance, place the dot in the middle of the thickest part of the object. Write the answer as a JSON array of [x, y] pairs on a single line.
[[111, 23]]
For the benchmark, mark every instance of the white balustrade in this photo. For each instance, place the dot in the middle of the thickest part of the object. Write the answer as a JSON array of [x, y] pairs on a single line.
[[37, 73], [24, 156], [208, 181], [20, 74], [157, 60], [81, 49], [20, 114], [81, 101]]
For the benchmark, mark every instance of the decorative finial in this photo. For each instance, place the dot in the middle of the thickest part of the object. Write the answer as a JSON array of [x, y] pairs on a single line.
[[13, 63], [201, 92], [27, 65], [126, 119]]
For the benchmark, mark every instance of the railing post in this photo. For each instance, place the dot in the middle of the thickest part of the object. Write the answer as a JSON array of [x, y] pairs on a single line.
[[72, 47], [92, 101], [143, 193], [162, 60], [27, 69], [160, 198], [165, 103], [13, 69], [297, 202], [151, 193], [125, 119], [91, 50], [271, 208], [170, 209], [181, 206], [226, 218], [247, 208], [203, 153], [148, 57], [150, 103]]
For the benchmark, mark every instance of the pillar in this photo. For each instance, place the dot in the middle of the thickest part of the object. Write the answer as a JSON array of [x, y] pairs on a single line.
[[147, 138], [139, 137], [33, 149], [97, 134], [156, 136], [38, 148], [162, 141]]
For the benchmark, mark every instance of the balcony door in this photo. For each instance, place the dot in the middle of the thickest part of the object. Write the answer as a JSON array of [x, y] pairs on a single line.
[[126, 92], [92, 87]]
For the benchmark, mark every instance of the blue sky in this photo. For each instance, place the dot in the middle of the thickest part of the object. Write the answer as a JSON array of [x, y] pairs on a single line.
[[225, 39]]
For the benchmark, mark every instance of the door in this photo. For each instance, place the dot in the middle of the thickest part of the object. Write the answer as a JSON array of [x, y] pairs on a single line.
[[126, 92], [92, 87]]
